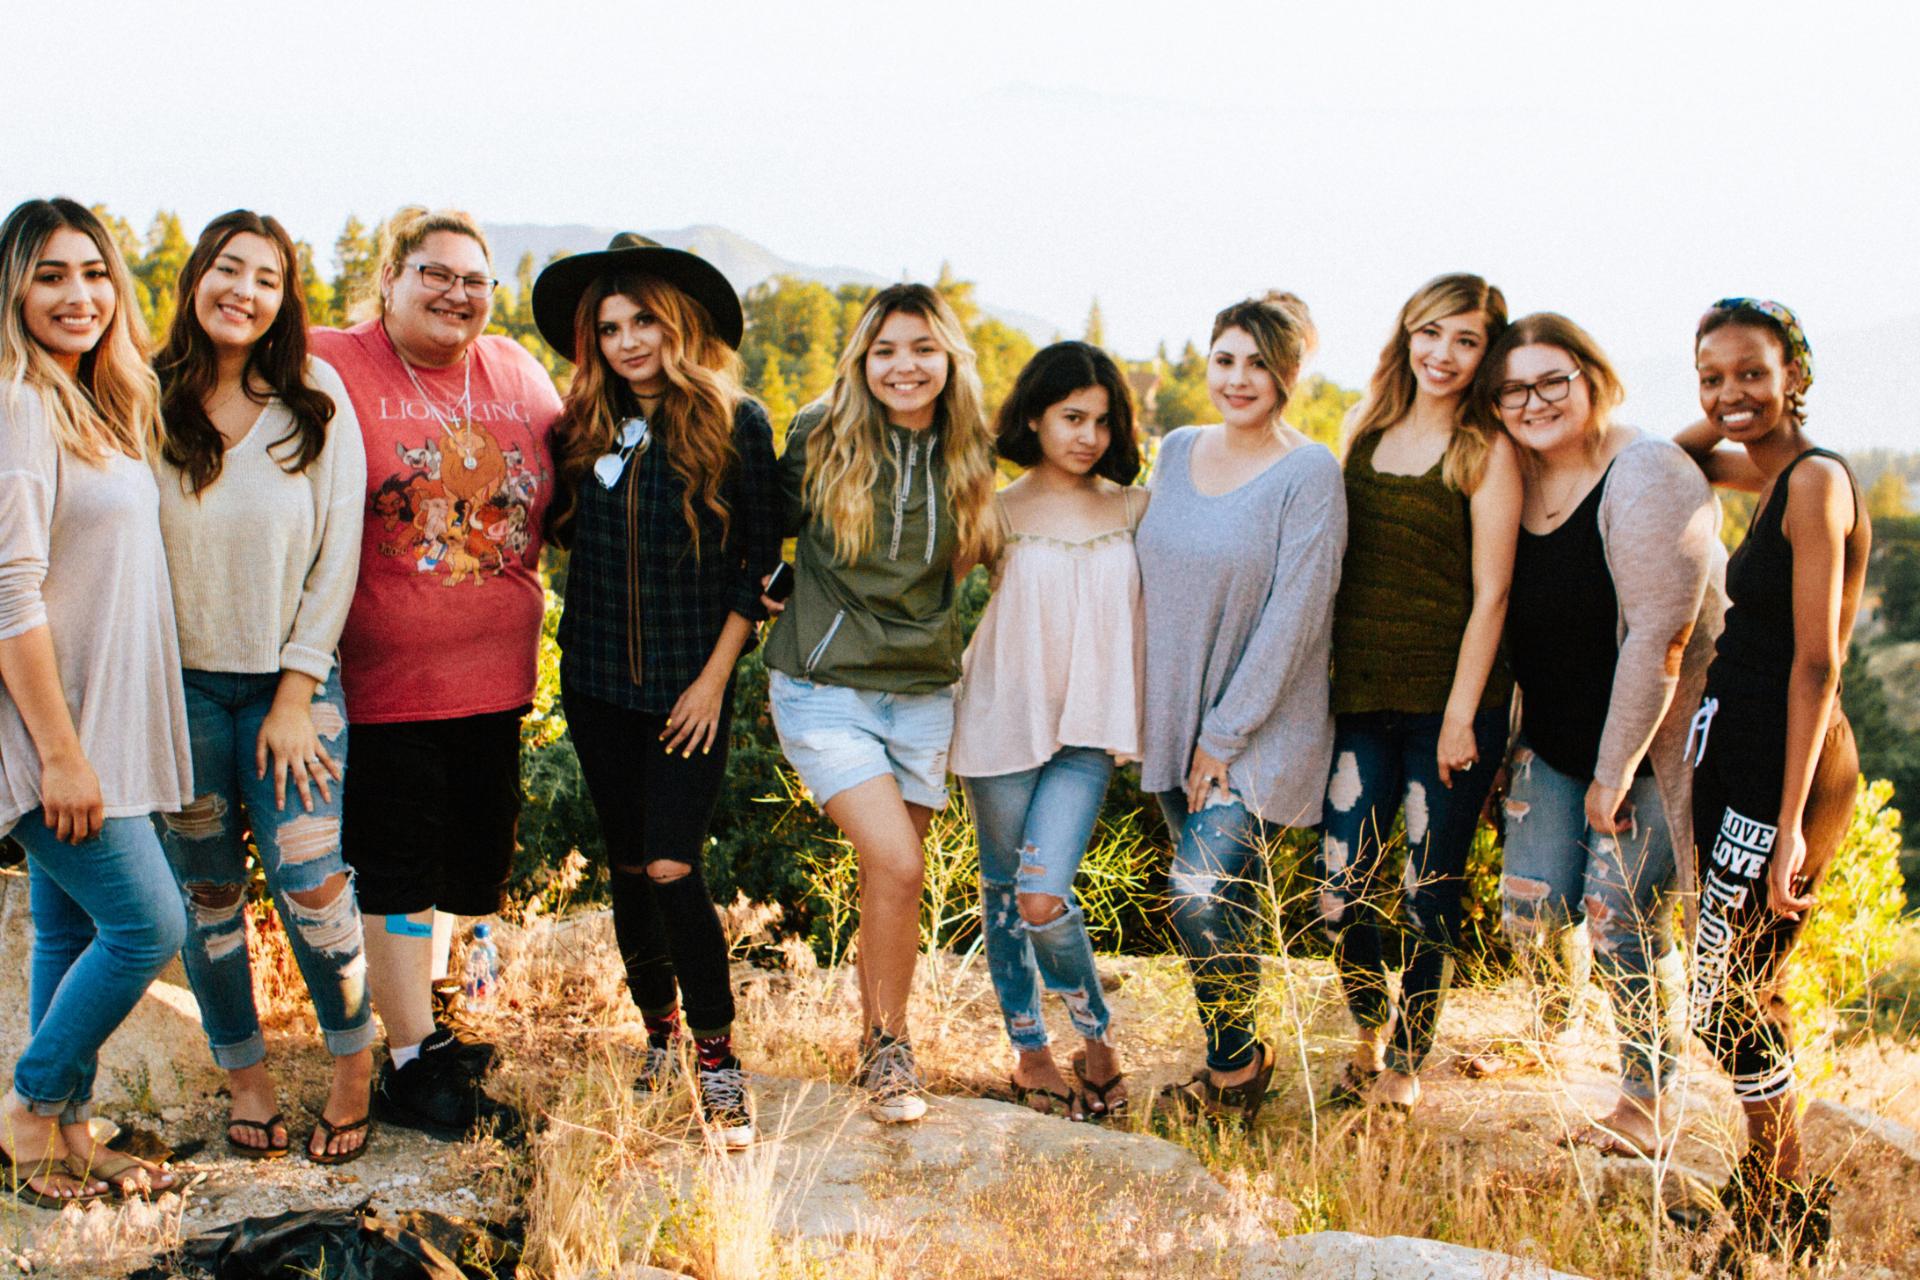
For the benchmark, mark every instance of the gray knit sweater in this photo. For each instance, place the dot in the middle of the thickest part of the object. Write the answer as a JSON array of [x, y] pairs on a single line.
[[1238, 590]]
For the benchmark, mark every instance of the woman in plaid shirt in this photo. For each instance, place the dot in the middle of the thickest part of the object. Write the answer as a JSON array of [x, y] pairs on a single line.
[[668, 502]]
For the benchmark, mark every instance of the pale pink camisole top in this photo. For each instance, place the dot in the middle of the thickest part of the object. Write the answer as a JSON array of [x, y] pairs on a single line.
[[1058, 659]]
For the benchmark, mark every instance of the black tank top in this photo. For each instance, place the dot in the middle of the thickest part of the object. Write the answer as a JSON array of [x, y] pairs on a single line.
[[1562, 625], [1753, 657]]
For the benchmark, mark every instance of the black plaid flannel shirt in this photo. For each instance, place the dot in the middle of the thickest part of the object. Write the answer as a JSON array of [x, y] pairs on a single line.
[[684, 602]]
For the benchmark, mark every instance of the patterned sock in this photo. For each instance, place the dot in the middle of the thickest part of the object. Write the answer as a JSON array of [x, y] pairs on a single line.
[[714, 1052], [662, 1027]]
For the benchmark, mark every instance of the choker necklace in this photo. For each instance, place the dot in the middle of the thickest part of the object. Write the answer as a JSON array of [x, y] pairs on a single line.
[[467, 458]]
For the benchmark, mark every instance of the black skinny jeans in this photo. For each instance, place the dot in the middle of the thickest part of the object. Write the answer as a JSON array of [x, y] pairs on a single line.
[[656, 806]]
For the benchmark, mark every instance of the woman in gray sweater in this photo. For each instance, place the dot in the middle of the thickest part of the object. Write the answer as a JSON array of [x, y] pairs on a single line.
[[1615, 602], [1239, 560]]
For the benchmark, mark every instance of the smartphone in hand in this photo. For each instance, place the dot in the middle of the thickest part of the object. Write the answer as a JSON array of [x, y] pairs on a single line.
[[779, 583]]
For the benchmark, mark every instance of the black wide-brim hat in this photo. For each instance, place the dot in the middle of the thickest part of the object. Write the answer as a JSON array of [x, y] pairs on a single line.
[[557, 293]]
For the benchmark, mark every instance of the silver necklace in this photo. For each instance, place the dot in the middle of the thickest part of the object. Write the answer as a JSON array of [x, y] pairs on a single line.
[[467, 460]]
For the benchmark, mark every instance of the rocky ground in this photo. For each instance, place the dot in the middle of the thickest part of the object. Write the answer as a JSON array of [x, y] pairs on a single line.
[[983, 1188]]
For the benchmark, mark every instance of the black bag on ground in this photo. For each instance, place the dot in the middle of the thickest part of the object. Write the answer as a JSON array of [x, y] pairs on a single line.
[[345, 1244]]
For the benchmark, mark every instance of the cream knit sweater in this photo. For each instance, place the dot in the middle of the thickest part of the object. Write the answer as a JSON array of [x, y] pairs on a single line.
[[263, 562]]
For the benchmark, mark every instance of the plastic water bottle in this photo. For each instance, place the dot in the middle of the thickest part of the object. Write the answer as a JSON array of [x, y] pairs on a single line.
[[483, 968]]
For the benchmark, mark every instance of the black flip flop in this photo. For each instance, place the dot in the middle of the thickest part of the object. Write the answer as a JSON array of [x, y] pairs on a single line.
[[269, 1150], [1095, 1094], [325, 1130], [1023, 1093], [1351, 1088]]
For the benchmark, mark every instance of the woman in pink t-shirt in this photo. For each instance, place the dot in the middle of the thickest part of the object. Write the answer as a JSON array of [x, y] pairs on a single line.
[[439, 652]]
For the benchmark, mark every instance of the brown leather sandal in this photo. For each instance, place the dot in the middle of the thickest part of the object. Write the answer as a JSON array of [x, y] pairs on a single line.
[[1201, 1099]]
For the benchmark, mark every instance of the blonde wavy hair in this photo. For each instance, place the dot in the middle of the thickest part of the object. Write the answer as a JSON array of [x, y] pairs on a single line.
[[400, 235], [1390, 394], [111, 402], [695, 418], [843, 453]]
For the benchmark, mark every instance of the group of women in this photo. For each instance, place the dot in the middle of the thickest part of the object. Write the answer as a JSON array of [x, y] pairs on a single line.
[[212, 564]]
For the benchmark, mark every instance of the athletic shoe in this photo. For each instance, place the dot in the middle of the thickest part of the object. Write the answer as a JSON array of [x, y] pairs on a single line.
[[659, 1067], [895, 1092], [725, 1108], [449, 1014], [437, 1094], [1773, 1216]]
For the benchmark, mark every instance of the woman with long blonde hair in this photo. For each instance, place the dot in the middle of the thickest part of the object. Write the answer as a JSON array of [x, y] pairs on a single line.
[[668, 502], [1420, 694], [888, 485], [93, 727]]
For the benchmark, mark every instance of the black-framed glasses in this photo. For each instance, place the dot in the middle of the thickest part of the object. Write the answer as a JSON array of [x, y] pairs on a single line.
[[440, 279], [1551, 389]]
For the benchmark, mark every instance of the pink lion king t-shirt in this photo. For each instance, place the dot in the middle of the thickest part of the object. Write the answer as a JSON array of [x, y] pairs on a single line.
[[446, 617]]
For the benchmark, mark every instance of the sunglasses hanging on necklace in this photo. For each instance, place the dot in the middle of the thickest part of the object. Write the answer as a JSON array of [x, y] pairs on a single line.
[[629, 440]]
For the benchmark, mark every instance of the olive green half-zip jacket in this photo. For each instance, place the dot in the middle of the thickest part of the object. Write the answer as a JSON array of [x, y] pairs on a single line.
[[887, 621]]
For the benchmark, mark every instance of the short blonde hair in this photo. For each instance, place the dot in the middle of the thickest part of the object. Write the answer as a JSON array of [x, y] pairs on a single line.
[[406, 231], [1283, 333]]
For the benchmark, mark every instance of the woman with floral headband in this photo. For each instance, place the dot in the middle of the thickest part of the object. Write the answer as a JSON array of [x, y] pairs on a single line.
[[1776, 767]]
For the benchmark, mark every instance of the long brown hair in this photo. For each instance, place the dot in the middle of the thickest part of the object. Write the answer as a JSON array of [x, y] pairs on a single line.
[[189, 367], [695, 418], [110, 403], [843, 454], [1390, 394]]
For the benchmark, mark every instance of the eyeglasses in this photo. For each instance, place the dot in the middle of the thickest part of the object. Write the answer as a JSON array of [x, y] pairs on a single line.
[[633, 438], [1551, 389], [440, 279]]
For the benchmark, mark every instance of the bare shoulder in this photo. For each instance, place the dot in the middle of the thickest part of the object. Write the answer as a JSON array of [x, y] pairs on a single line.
[[1823, 486]]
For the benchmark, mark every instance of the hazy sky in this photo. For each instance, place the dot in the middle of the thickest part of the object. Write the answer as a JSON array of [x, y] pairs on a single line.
[[1625, 163]]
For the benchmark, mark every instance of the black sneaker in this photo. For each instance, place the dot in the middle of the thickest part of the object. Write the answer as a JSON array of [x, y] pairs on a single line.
[[449, 1014], [437, 1094], [725, 1109], [659, 1067], [1773, 1216]]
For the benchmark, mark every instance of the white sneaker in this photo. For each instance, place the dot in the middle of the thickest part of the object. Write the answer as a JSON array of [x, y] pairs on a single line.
[[894, 1089]]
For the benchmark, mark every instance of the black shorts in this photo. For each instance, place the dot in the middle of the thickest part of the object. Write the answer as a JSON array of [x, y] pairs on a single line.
[[431, 813], [651, 805]]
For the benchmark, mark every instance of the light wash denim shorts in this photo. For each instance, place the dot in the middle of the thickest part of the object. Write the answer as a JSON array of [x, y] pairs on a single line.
[[836, 737]]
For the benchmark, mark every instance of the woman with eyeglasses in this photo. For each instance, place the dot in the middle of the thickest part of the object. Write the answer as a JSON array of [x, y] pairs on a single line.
[[1777, 767], [438, 654], [1610, 625], [668, 500]]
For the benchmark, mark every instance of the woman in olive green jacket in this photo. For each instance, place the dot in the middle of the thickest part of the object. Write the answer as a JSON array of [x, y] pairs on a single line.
[[864, 659]]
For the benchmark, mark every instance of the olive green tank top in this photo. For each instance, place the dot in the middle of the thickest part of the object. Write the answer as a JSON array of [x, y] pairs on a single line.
[[1406, 592]]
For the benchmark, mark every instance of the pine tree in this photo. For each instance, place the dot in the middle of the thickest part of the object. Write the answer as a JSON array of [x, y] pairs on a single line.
[[356, 253], [1096, 334], [777, 396], [314, 287], [166, 257]]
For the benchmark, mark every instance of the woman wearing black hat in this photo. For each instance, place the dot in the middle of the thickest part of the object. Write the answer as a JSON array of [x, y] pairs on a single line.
[[668, 500]]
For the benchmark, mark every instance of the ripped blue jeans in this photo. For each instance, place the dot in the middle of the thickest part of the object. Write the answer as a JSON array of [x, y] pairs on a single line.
[[1033, 831], [1213, 892], [1559, 873], [299, 851]]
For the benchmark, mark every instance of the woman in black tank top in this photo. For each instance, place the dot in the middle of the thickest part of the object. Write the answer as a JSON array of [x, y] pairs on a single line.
[[1776, 768]]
